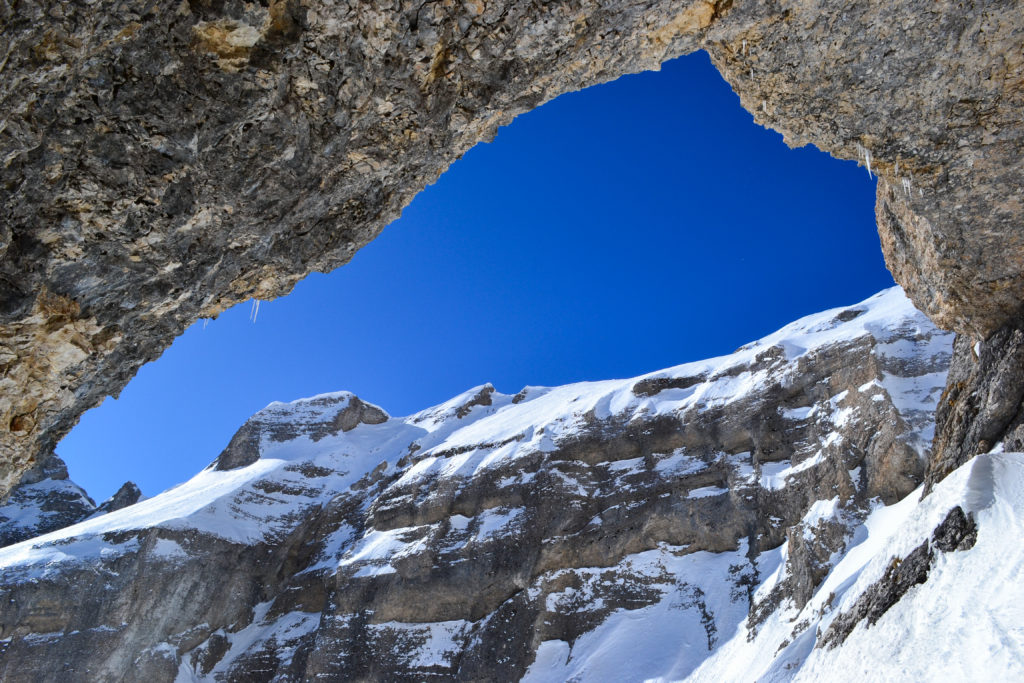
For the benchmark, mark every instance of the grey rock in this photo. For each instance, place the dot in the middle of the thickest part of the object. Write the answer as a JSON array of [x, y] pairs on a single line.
[[433, 565], [956, 532], [983, 404], [322, 416], [165, 160], [902, 575], [44, 500], [358, 413], [128, 494]]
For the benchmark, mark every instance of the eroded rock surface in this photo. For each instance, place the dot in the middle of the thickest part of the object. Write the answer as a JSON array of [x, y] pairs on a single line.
[[496, 536], [46, 500], [164, 160], [43, 501], [983, 405], [956, 532], [128, 494]]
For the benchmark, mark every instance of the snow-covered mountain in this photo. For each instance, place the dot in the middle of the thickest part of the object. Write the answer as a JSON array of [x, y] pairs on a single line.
[[46, 500], [751, 516]]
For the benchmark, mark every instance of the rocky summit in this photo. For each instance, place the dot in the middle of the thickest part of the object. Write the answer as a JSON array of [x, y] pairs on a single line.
[[753, 515], [46, 500]]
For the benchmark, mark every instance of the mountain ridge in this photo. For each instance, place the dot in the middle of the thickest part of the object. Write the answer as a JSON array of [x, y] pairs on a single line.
[[514, 536]]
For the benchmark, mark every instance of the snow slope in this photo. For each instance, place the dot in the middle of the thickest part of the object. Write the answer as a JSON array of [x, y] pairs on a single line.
[[965, 623]]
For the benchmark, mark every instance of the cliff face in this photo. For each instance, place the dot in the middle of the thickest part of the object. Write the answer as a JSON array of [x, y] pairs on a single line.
[[709, 506], [165, 160], [45, 500]]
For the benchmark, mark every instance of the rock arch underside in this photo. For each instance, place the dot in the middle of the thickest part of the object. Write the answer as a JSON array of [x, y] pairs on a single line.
[[163, 160]]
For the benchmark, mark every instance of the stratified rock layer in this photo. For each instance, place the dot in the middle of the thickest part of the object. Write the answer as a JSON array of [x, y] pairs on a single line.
[[164, 160], [478, 539]]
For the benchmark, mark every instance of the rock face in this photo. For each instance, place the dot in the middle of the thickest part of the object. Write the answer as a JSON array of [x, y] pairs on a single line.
[[43, 501], [318, 417], [983, 405], [498, 537], [165, 160], [46, 500], [128, 494]]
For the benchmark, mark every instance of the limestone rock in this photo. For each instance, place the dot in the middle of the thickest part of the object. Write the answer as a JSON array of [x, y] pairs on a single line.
[[162, 161], [982, 408], [46, 500], [956, 532], [479, 538], [315, 418], [128, 494], [43, 501]]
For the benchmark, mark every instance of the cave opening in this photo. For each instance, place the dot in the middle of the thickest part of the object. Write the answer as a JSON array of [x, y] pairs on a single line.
[[628, 227]]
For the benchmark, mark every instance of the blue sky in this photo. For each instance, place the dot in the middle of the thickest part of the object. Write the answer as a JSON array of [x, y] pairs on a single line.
[[633, 226]]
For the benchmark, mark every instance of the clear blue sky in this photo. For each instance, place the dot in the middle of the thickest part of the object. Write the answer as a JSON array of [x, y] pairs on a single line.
[[629, 227]]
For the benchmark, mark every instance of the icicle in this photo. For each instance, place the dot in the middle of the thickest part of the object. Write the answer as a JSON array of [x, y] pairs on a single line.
[[206, 321], [255, 310], [764, 106], [897, 171], [865, 156], [906, 186], [751, 74], [744, 51]]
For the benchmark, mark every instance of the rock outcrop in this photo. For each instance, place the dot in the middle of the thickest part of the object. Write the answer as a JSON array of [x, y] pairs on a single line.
[[128, 494], [43, 501], [497, 537], [983, 405], [164, 160], [46, 500]]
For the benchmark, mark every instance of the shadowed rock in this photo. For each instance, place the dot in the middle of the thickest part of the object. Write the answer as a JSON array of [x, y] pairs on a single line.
[[128, 494], [43, 501]]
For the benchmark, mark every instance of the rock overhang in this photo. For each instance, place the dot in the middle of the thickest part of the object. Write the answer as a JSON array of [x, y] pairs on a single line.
[[163, 162]]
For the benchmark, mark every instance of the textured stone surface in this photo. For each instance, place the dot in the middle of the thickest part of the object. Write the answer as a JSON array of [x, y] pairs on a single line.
[[470, 533], [128, 494], [43, 501], [903, 574], [164, 160], [983, 405], [957, 532], [323, 417]]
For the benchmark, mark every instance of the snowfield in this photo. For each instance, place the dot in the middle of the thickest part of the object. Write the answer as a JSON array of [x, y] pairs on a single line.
[[965, 623]]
